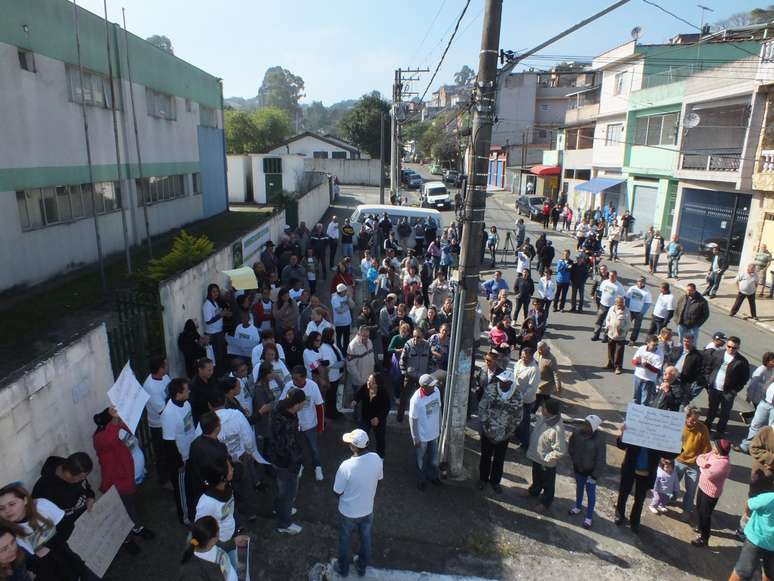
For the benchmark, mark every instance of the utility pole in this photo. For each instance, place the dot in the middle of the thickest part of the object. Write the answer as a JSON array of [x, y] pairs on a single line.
[[381, 158], [397, 113], [458, 380]]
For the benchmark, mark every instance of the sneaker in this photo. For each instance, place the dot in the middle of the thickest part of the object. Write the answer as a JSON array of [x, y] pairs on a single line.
[[574, 510], [318, 475], [292, 529], [293, 511], [586, 523], [143, 533], [662, 509], [618, 371], [653, 509], [699, 542]]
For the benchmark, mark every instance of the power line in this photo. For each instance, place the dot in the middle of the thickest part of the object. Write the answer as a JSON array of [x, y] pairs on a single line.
[[451, 39], [429, 29]]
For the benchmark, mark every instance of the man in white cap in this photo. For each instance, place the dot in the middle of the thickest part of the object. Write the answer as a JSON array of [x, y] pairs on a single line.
[[356, 482], [499, 411], [342, 305], [425, 418]]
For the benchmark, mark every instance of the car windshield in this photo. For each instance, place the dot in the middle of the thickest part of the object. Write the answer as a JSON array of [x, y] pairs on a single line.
[[536, 201], [436, 191]]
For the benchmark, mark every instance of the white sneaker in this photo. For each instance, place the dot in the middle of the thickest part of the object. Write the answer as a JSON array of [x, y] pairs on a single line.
[[318, 475], [293, 511], [653, 509], [662, 509], [301, 471], [293, 529]]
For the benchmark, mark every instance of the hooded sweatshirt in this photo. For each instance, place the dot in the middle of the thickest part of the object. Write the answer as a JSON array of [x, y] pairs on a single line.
[[588, 453], [547, 444], [71, 498]]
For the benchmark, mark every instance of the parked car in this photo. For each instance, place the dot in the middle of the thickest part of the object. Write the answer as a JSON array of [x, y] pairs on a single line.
[[415, 181], [436, 169], [451, 176], [435, 195], [531, 206]]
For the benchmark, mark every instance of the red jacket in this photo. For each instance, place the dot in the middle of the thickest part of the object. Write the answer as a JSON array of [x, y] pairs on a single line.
[[115, 459], [341, 278]]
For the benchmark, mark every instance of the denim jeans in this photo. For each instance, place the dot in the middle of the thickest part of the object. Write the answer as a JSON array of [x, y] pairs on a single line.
[[427, 460], [764, 416], [346, 249], [713, 283], [287, 487], [691, 473], [310, 437], [363, 525], [636, 325], [673, 266], [522, 431], [584, 482], [644, 391]]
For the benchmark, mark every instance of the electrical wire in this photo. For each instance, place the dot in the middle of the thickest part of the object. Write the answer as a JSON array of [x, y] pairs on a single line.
[[429, 29], [451, 39]]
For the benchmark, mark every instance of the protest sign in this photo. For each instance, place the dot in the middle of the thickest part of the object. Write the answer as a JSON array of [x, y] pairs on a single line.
[[100, 532], [654, 428], [128, 397]]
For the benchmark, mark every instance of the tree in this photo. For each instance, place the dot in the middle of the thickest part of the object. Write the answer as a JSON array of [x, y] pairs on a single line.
[[162, 42], [255, 131], [273, 127], [360, 125], [464, 76], [281, 89], [317, 117], [754, 16]]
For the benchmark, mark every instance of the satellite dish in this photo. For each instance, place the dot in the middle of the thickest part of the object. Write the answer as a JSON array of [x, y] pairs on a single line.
[[691, 120], [636, 32]]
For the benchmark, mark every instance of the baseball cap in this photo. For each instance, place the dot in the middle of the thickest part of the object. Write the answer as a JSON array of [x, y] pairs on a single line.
[[720, 335], [358, 438], [506, 375], [428, 380], [594, 421], [341, 287], [392, 296]]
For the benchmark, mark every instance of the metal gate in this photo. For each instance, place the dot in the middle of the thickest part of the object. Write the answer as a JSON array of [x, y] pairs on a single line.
[[135, 334], [643, 208], [272, 168]]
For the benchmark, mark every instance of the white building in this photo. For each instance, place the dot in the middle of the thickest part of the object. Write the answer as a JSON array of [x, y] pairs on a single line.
[[313, 145]]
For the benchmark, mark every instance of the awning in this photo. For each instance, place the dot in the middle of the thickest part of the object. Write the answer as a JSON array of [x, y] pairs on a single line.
[[598, 184], [546, 170]]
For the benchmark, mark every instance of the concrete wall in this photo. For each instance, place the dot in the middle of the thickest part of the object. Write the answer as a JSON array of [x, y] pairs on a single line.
[[49, 409], [238, 171], [307, 146], [292, 174], [608, 155], [212, 162], [515, 107], [359, 172], [314, 204]]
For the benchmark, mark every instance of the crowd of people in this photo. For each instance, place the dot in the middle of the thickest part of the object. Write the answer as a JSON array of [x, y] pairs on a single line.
[[269, 368]]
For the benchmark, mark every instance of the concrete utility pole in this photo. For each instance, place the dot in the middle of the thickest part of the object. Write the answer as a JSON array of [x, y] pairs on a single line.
[[397, 113], [458, 380]]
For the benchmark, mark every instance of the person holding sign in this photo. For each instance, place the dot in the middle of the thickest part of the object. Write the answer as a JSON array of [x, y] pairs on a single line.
[[203, 559]]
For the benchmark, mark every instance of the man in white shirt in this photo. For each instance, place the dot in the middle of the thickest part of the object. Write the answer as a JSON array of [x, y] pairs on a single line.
[[425, 423], [333, 235], [356, 481], [245, 338], [546, 289], [609, 290], [638, 300], [310, 416], [647, 367], [342, 305], [746, 282], [156, 387], [257, 353], [663, 310], [527, 380]]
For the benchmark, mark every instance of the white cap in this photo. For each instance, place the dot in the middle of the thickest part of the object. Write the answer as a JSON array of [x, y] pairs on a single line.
[[428, 380], [506, 375], [358, 438], [594, 422], [341, 287]]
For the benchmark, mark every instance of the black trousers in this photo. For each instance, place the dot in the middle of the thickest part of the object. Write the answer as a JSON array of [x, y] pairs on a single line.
[[561, 295], [656, 324], [410, 385], [158, 450], [738, 303], [543, 483], [631, 480], [332, 252], [599, 323], [523, 305], [705, 504], [720, 405], [380, 435], [342, 337], [329, 400], [577, 293], [490, 467]]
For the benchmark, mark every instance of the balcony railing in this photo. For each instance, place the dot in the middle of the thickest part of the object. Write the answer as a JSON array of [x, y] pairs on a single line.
[[722, 161], [766, 164]]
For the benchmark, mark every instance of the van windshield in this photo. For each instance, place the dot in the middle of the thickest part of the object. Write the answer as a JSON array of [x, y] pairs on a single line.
[[436, 191]]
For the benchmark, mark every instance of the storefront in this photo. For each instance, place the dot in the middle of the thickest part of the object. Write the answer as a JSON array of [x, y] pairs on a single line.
[[546, 182], [600, 191]]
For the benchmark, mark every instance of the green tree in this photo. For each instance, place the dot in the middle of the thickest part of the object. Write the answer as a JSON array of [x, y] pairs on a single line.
[[162, 42], [754, 16], [464, 76], [255, 131], [281, 89], [241, 134], [317, 117], [360, 125], [273, 127]]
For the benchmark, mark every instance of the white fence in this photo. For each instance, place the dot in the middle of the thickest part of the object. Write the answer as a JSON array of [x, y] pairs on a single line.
[[359, 172]]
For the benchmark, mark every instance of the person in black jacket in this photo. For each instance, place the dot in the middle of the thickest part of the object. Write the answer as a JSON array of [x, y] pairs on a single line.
[[206, 451], [286, 457], [319, 243], [727, 373], [672, 393], [64, 481], [690, 366], [523, 288], [638, 471], [579, 273], [692, 312], [192, 344], [203, 386], [374, 406]]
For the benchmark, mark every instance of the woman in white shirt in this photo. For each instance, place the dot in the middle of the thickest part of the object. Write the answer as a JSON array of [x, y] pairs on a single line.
[[314, 361], [203, 559], [317, 322], [213, 312], [337, 360], [271, 354]]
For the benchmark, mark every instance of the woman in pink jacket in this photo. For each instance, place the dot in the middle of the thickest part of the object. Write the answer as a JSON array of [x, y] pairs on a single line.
[[714, 468]]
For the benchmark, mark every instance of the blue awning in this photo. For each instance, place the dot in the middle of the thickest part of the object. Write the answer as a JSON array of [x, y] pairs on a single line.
[[598, 184]]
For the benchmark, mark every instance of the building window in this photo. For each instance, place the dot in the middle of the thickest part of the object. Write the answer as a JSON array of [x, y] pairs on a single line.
[[657, 130], [208, 117], [160, 105], [583, 174], [27, 60], [568, 174], [618, 83], [338, 155], [61, 204], [197, 183], [160, 189], [96, 88], [320, 154], [614, 134]]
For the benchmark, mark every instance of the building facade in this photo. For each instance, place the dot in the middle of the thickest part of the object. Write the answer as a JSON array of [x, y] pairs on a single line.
[[315, 146], [49, 192]]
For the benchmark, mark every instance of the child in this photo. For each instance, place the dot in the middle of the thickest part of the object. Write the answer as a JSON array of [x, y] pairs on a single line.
[[666, 488], [714, 470], [587, 452], [203, 559]]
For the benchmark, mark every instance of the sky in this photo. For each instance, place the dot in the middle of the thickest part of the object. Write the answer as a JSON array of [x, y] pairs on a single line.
[[346, 48]]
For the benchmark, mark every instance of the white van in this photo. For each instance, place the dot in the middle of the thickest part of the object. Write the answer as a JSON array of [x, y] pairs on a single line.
[[395, 213], [435, 195]]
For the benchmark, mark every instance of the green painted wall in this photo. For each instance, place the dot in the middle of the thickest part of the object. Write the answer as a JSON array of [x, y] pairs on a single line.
[[659, 58], [39, 177], [51, 32]]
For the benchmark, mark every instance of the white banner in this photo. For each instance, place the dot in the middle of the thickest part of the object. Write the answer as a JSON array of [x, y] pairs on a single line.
[[128, 397], [654, 428]]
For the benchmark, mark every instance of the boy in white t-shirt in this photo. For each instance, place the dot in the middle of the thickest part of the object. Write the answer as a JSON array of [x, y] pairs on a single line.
[[356, 482], [156, 387], [425, 417], [310, 416]]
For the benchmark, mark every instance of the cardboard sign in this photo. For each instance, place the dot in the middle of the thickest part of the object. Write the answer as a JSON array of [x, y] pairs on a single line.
[[100, 532], [128, 397], [654, 428]]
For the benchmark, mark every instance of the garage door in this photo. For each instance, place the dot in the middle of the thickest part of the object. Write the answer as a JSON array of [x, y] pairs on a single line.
[[643, 208]]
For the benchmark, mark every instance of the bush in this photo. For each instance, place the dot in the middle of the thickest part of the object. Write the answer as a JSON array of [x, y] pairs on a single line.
[[186, 251]]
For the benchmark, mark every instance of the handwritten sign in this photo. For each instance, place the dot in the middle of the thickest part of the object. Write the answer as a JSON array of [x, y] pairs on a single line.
[[654, 428], [100, 532], [128, 397]]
